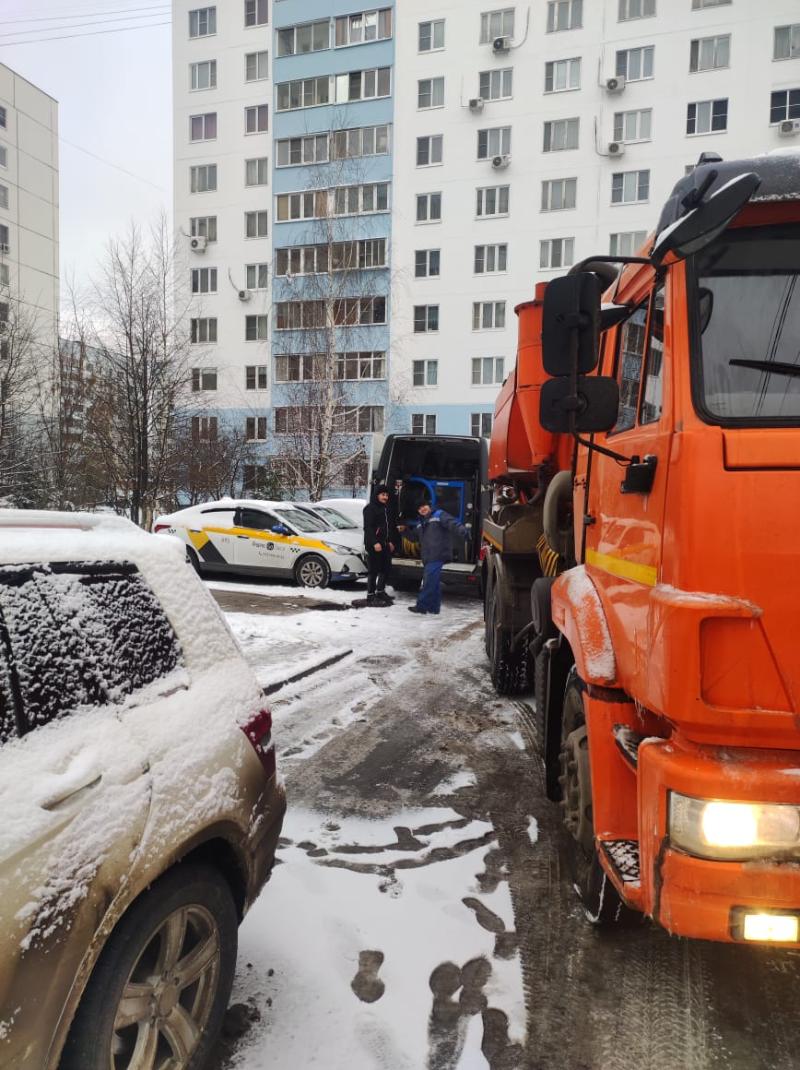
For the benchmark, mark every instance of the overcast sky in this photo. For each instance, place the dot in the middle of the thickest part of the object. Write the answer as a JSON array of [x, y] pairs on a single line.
[[114, 98]]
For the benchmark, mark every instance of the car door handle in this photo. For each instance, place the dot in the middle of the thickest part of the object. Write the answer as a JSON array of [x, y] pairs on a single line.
[[242, 536], [75, 788]]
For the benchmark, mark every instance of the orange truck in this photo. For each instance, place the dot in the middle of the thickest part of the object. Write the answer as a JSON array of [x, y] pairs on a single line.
[[641, 565]]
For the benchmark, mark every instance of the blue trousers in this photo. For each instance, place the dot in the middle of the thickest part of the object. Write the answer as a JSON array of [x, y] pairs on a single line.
[[430, 593]]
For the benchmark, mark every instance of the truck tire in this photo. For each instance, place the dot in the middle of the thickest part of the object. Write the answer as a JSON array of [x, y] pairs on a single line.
[[601, 901], [508, 668]]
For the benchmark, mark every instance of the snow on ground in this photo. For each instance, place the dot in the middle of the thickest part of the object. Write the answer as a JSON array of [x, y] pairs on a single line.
[[343, 954]]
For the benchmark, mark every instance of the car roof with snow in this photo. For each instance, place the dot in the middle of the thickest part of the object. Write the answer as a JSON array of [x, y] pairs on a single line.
[[234, 503]]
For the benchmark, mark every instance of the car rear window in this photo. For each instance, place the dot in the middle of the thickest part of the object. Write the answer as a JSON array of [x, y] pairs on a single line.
[[75, 635]]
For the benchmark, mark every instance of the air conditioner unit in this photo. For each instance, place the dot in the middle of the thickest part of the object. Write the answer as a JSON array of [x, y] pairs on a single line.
[[476, 104], [244, 295], [501, 44], [501, 161], [616, 148], [198, 245], [789, 127], [615, 84]]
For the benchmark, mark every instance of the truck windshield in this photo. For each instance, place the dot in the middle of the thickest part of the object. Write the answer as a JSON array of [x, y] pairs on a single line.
[[748, 365]]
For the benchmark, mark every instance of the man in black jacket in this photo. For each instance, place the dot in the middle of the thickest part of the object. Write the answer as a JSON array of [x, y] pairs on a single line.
[[380, 539], [435, 536]]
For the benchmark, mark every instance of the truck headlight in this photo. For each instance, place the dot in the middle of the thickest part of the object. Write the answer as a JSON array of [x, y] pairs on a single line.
[[712, 828]]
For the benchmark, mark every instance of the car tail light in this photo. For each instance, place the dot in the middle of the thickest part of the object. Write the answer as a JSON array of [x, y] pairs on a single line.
[[259, 731], [161, 527]]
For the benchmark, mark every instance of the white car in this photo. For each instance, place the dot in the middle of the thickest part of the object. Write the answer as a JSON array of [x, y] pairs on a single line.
[[352, 508], [265, 538]]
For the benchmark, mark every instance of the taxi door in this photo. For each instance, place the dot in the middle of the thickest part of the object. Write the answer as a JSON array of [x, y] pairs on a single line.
[[258, 544]]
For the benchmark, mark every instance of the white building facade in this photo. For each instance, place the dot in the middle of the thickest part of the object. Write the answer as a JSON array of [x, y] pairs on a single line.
[[29, 205], [516, 141]]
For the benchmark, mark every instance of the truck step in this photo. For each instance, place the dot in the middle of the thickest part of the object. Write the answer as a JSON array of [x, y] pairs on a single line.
[[624, 858], [628, 743]]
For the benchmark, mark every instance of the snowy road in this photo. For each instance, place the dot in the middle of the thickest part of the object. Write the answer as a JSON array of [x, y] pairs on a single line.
[[419, 917]]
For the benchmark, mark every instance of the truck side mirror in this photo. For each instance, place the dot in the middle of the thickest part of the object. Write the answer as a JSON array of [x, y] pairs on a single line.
[[571, 324], [708, 218], [592, 406]]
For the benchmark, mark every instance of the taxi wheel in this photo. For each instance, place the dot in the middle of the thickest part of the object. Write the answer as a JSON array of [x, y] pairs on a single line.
[[312, 571]]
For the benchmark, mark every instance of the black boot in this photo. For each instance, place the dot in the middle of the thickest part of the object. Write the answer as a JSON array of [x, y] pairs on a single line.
[[383, 599], [372, 600]]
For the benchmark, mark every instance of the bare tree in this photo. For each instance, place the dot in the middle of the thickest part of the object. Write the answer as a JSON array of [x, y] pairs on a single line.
[[22, 342]]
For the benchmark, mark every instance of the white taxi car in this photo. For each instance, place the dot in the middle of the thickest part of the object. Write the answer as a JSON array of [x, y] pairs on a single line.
[[265, 538]]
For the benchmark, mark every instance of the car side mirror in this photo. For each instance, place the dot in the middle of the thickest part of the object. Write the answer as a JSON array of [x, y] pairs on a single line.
[[592, 406], [280, 529], [571, 324]]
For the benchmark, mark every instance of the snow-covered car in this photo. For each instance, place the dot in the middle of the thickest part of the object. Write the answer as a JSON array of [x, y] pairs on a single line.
[[330, 517], [265, 538], [139, 799], [353, 508]]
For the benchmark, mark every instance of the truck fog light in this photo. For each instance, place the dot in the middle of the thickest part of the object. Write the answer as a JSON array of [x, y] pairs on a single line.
[[711, 828], [775, 928]]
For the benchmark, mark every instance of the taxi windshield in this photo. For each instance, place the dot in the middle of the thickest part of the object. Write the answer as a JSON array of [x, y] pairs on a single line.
[[747, 293]]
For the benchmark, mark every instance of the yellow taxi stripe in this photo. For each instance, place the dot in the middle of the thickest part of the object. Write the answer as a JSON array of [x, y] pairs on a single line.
[[268, 536], [626, 570], [198, 539]]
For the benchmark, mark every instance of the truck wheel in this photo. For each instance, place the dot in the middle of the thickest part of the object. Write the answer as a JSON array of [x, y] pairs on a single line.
[[312, 571], [598, 895], [161, 985], [508, 668]]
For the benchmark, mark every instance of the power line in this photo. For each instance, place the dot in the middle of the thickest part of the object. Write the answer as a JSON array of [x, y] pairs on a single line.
[[110, 163], [80, 15], [95, 22], [93, 33]]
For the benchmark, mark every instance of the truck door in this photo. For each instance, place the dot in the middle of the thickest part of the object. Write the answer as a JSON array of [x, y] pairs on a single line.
[[624, 537]]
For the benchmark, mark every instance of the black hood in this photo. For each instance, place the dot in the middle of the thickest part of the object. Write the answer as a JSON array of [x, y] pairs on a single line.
[[380, 488]]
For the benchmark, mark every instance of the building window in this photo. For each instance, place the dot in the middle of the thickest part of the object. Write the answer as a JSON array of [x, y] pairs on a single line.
[[361, 200], [630, 187], [425, 373], [256, 66], [423, 423], [429, 207], [636, 9], [3, 117], [310, 205], [202, 22], [787, 42], [255, 428], [634, 125], [426, 319], [300, 368], [430, 93], [635, 64], [203, 178], [293, 151], [784, 104], [204, 428], [364, 27], [707, 116], [304, 93], [355, 366], [430, 36], [3, 196], [626, 242], [203, 127], [481, 424], [255, 224], [697, 5], [256, 276], [5, 243], [488, 315], [346, 312], [360, 141], [204, 74], [255, 377], [426, 263], [497, 24], [710, 53], [204, 379], [364, 85], [203, 226], [302, 260], [494, 141], [556, 253], [561, 134], [204, 280], [203, 329], [360, 254], [5, 275], [490, 259], [256, 119], [429, 150], [256, 172], [496, 85], [559, 193], [300, 40], [564, 15], [488, 371], [255, 328], [256, 12], [3, 156], [492, 201], [561, 75]]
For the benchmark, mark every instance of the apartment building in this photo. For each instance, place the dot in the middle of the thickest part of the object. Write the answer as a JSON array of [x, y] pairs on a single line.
[[428, 166], [29, 205]]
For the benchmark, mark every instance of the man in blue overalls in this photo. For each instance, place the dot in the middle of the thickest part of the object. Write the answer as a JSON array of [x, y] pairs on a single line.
[[435, 536]]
